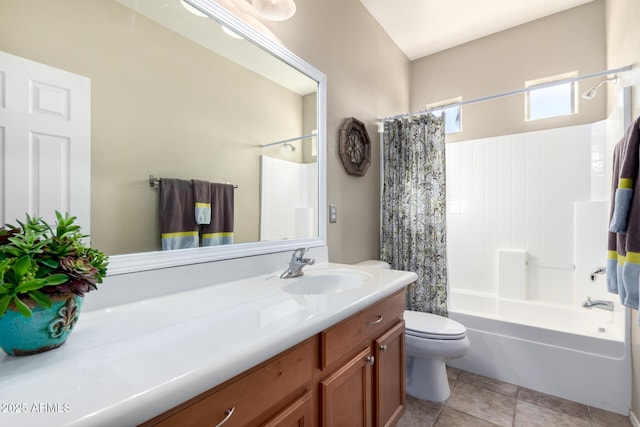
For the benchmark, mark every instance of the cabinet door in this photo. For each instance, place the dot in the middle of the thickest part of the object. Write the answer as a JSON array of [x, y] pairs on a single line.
[[346, 394], [298, 414], [389, 376]]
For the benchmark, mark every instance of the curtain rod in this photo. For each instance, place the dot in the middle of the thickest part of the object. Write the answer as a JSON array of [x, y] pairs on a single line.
[[510, 93], [284, 141]]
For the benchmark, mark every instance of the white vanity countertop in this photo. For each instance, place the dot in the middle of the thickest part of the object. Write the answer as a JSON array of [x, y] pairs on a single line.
[[124, 365]]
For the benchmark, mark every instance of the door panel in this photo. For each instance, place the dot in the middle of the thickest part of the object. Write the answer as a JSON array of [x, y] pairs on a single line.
[[45, 138]]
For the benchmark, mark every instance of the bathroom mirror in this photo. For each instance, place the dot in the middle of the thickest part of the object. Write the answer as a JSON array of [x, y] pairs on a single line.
[[168, 100]]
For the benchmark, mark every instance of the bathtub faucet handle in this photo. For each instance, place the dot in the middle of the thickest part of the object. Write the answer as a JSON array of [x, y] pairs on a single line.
[[597, 270]]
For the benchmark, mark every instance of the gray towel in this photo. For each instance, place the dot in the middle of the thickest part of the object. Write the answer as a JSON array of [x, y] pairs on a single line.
[[177, 215], [623, 260], [220, 230]]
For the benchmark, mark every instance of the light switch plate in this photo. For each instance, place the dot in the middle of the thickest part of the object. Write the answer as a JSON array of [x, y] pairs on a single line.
[[333, 216]]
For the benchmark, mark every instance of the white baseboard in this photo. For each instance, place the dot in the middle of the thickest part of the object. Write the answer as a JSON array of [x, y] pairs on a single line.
[[633, 419]]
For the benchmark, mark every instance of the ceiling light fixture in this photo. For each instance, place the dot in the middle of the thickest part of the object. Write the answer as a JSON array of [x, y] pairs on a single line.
[[275, 10], [272, 10]]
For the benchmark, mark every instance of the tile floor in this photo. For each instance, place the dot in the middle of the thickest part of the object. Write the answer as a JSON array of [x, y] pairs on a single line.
[[478, 401]]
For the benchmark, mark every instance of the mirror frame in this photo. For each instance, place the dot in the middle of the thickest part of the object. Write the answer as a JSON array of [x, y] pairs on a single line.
[[137, 262]]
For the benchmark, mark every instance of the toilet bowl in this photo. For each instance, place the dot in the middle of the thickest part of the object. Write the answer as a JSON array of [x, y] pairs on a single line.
[[430, 340]]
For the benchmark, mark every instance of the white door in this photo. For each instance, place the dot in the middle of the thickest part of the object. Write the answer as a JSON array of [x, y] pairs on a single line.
[[45, 142]]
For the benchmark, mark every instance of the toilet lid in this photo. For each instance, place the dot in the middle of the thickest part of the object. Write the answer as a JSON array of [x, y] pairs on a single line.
[[427, 325]]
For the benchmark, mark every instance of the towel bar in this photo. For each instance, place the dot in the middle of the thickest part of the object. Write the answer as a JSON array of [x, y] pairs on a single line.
[[153, 182]]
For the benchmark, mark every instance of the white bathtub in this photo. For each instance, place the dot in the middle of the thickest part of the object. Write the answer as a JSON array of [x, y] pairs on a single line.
[[571, 352]]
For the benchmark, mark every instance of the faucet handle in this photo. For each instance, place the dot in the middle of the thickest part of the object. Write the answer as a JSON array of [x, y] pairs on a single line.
[[597, 270], [299, 253]]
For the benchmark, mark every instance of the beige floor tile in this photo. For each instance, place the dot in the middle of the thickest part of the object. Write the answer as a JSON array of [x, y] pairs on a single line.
[[449, 417], [478, 401], [531, 415], [482, 403], [489, 383], [419, 413], [601, 417], [557, 404], [452, 374]]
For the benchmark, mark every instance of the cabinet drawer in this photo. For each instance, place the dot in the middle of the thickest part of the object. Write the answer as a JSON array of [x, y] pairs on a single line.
[[361, 328], [254, 395]]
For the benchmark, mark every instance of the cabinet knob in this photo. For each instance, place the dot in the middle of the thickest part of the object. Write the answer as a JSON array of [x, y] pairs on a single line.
[[383, 347], [228, 414], [378, 320], [370, 360]]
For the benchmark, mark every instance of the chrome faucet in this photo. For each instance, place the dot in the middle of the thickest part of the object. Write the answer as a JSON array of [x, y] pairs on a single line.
[[296, 264], [597, 270], [598, 303]]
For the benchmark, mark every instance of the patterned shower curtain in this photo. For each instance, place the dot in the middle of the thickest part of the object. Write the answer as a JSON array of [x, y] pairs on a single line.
[[414, 232]]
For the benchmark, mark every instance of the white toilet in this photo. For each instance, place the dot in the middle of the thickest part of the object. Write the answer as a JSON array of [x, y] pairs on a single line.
[[430, 340]]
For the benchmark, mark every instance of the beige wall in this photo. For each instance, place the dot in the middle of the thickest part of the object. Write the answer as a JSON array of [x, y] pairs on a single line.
[[367, 78], [623, 48], [623, 44], [573, 40], [161, 105]]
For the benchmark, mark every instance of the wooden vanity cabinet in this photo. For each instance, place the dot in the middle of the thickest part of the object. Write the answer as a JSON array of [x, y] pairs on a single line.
[[364, 359], [351, 374]]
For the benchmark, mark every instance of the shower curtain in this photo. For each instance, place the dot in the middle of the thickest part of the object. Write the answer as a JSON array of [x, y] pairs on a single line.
[[413, 234]]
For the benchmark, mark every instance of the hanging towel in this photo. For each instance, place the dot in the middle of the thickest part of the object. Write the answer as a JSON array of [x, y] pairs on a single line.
[[177, 225], [202, 200], [623, 257], [220, 230]]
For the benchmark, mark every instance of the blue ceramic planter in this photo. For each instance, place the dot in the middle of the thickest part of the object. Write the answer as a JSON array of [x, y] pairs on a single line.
[[46, 329]]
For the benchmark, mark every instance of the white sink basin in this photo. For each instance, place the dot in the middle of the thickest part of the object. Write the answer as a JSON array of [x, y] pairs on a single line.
[[319, 282]]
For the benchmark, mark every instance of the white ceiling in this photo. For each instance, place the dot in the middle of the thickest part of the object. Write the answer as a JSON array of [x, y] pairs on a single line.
[[423, 27]]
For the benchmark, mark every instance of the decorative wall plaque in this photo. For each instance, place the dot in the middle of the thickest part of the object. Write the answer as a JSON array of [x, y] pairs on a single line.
[[355, 147]]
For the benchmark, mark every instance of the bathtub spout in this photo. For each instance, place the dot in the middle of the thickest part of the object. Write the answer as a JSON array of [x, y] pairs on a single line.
[[598, 303]]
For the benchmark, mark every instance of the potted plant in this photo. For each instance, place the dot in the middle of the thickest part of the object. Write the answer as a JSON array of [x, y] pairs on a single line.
[[44, 273]]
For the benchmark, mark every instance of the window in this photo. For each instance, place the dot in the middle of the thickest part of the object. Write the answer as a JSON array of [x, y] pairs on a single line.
[[452, 114], [550, 100]]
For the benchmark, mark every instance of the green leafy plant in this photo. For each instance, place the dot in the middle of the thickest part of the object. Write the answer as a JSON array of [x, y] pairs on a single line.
[[38, 260]]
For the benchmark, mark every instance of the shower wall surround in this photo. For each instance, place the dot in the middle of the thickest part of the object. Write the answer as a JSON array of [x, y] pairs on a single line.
[[519, 193]]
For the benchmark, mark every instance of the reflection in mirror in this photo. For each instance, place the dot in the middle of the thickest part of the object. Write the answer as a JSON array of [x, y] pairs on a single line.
[[174, 96]]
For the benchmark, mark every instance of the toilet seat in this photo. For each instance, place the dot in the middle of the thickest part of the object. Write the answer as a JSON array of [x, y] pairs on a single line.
[[432, 326]]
